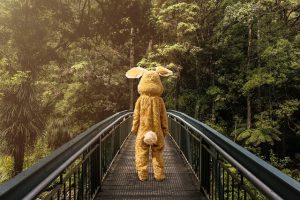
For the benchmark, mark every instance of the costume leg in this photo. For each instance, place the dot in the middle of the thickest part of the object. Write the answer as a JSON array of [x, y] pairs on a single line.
[[141, 159], [158, 163]]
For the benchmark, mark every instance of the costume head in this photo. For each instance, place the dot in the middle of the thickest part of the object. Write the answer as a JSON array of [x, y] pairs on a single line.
[[150, 83]]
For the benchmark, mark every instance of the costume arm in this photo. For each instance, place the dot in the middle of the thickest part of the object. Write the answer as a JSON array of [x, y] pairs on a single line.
[[164, 118], [136, 117]]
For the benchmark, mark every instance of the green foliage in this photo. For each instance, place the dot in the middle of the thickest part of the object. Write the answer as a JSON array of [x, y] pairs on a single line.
[[266, 131], [220, 127], [258, 78], [39, 151], [279, 60], [6, 167], [178, 20], [279, 163], [287, 108]]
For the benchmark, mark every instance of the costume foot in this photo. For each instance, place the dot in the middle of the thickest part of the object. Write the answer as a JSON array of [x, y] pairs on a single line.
[[143, 179], [160, 178]]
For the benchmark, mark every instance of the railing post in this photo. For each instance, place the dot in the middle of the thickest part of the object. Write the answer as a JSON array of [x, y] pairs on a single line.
[[205, 169], [81, 178], [100, 163], [95, 170], [200, 164], [112, 143], [218, 178], [189, 148]]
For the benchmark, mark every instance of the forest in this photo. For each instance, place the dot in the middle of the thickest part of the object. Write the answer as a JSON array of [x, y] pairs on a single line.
[[236, 67]]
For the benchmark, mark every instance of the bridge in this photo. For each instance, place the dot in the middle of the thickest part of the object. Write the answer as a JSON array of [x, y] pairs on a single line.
[[200, 164]]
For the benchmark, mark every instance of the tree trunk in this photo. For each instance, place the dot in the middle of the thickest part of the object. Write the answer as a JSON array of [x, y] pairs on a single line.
[[197, 109], [177, 91], [250, 23], [235, 127], [18, 155], [248, 112], [131, 65], [213, 107], [258, 65], [197, 105], [149, 49]]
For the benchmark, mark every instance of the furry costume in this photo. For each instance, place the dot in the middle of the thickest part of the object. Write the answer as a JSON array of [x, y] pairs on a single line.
[[150, 122]]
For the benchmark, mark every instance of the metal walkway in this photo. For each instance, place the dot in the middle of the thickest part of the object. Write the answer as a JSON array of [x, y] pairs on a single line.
[[122, 182]]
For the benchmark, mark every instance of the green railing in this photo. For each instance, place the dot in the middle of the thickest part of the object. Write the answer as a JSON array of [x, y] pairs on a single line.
[[75, 170], [224, 169]]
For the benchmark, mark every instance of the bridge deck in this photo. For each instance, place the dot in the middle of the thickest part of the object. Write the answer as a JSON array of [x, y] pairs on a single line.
[[122, 183]]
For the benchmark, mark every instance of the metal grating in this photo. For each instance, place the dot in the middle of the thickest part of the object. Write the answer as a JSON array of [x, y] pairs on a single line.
[[122, 182]]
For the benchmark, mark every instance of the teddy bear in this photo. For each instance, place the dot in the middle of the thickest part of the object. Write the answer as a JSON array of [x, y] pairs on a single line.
[[150, 122]]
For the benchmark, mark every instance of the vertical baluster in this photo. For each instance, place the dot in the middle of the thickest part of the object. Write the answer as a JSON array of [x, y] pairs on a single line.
[[213, 176], [220, 191], [70, 187], [79, 183], [200, 162], [82, 179], [120, 134], [65, 191], [193, 152], [223, 182], [96, 169], [179, 135], [112, 144], [227, 185], [88, 178], [100, 162], [91, 173], [198, 159], [83, 174], [239, 186], [60, 182], [204, 166], [74, 177], [242, 183], [58, 194], [232, 188]]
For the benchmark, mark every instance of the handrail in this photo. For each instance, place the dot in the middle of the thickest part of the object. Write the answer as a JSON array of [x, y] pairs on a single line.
[[32, 181], [272, 182]]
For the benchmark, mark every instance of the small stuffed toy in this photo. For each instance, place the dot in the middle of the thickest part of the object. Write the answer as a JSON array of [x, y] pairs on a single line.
[[150, 122]]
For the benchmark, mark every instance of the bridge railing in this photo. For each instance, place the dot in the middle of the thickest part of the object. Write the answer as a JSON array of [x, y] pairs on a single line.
[[224, 169], [75, 170]]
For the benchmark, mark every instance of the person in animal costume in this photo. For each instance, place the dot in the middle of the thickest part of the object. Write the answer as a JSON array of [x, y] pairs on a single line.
[[150, 122]]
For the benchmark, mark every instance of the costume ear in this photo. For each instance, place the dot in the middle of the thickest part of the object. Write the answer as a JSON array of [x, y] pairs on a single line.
[[135, 72], [162, 71]]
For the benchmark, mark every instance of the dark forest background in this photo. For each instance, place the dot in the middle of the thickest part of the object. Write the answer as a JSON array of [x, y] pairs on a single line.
[[236, 67]]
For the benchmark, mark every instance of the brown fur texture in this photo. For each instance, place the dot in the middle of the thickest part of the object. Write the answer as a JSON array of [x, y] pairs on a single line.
[[150, 115]]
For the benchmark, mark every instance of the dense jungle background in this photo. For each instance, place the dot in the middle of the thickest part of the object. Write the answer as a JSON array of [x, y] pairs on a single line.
[[236, 67]]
